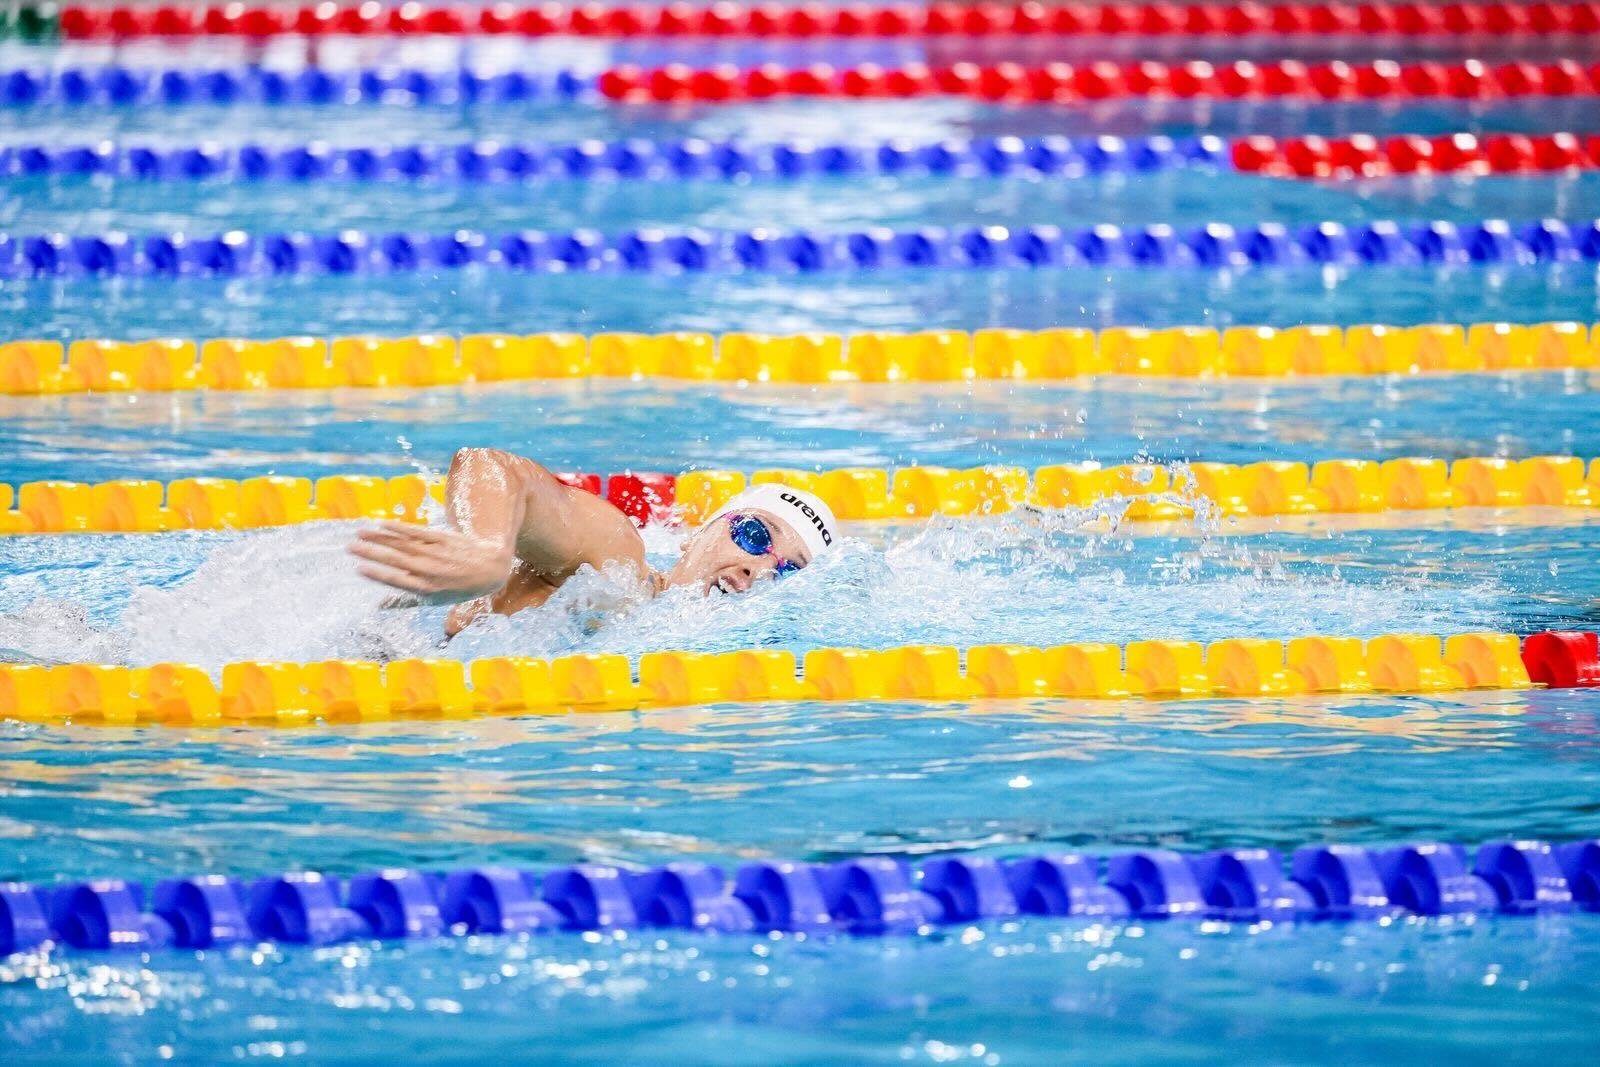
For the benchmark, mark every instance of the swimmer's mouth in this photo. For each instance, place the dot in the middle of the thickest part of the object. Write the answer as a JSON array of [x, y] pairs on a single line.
[[725, 586]]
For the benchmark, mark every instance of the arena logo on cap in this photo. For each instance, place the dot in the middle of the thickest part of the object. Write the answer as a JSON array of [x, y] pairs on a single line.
[[810, 513]]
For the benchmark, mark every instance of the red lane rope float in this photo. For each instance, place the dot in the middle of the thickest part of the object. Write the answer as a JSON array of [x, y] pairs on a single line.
[[1366, 156], [1057, 83], [810, 20]]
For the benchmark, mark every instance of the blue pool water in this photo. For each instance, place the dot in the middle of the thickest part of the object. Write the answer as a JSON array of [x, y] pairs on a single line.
[[807, 781], [600, 426], [821, 781]]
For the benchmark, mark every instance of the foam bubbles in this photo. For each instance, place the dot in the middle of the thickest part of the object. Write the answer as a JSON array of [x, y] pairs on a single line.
[[1030, 578], [289, 594]]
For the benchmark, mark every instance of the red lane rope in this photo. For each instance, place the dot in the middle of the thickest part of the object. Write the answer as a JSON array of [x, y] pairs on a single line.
[[1366, 156], [1064, 83], [806, 20]]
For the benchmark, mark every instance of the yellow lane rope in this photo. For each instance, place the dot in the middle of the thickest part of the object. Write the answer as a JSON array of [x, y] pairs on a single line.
[[1270, 488], [165, 364], [299, 694]]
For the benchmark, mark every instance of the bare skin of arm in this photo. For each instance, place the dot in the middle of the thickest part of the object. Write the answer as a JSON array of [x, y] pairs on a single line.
[[515, 534]]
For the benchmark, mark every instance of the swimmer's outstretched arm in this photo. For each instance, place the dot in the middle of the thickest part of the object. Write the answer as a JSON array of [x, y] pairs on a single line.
[[505, 514]]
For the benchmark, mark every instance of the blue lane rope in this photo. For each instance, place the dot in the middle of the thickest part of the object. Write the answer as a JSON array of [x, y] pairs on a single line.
[[1049, 156], [1211, 246], [119, 86], [867, 896]]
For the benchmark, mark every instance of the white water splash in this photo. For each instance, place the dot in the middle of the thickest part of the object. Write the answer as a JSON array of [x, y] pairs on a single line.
[[1031, 578], [290, 594]]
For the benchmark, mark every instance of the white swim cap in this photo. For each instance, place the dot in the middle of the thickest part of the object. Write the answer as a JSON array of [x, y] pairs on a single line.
[[805, 513]]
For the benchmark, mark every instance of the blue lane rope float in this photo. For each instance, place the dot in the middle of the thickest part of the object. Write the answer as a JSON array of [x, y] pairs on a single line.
[[865, 896], [659, 251], [1049, 156], [123, 86]]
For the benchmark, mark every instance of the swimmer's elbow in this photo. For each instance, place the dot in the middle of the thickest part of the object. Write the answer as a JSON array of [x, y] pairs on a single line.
[[491, 465], [468, 459], [527, 486]]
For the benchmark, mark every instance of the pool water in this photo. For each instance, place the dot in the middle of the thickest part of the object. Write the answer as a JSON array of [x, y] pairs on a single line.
[[807, 781], [820, 781]]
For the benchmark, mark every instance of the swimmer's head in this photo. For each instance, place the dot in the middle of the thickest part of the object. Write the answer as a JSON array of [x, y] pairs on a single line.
[[763, 533]]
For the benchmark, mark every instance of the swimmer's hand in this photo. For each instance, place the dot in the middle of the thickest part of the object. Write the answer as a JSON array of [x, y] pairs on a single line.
[[438, 566]]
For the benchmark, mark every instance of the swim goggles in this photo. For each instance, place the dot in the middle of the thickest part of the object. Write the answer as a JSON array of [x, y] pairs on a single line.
[[752, 535]]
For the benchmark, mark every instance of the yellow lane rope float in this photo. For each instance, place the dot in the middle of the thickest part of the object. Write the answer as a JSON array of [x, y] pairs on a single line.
[[165, 364], [298, 694], [1150, 493]]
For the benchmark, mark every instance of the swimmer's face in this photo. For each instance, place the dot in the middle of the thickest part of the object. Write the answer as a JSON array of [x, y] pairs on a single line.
[[711, 559]]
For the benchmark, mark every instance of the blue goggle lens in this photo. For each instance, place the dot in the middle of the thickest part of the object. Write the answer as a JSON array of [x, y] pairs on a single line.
[[751, 534]]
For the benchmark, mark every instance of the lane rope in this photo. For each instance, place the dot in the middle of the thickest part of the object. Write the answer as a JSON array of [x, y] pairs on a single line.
[[1056, 83], [168, 364], [1210, 246], [1366, 156], [124, 86], [809, 20], [1051, 156], [1146, 492], [863, 897], [1063, 83], [628, 160], [276, 694]]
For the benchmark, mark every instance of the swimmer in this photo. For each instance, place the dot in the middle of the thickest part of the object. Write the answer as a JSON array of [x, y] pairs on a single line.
[[515, 534]]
